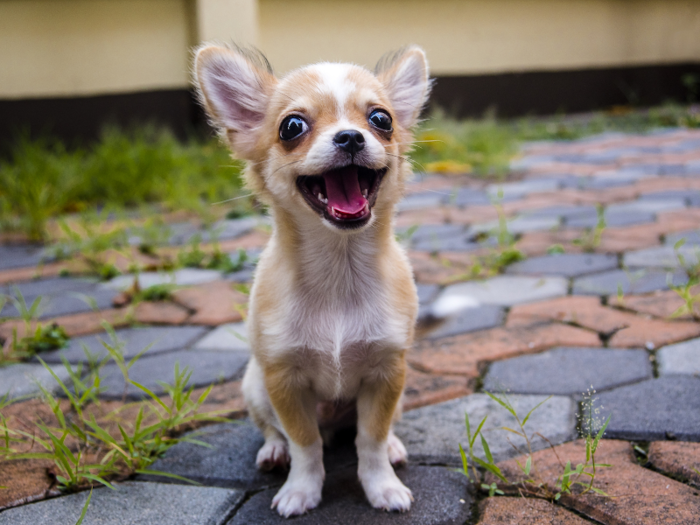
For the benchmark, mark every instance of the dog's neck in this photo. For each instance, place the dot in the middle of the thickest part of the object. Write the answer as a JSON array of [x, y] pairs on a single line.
[[330, 263]]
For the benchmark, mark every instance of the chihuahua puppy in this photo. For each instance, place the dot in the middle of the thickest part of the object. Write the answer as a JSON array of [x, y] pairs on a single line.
[[333, 304]]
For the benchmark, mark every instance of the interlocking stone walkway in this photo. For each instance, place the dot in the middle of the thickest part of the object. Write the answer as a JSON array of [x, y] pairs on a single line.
[[598, 317]]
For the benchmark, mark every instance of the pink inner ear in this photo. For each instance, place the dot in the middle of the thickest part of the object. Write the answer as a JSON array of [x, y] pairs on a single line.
[[235, 93]]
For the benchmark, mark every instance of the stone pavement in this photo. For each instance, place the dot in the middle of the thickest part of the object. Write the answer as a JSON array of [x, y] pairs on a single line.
[[589, 310]]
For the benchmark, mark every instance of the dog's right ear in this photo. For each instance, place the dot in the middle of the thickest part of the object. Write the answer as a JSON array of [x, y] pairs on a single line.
[[235, 86]]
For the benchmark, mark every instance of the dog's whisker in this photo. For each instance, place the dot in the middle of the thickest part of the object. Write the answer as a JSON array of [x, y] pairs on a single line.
[[232, 199]]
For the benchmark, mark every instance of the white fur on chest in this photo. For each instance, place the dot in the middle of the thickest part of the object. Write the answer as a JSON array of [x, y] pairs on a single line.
[[336, 312]]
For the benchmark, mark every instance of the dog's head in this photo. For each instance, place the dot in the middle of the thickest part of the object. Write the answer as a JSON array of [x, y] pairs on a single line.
[[327, 141]]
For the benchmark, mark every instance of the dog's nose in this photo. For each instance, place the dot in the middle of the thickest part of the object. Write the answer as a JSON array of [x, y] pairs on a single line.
[[349, 140]]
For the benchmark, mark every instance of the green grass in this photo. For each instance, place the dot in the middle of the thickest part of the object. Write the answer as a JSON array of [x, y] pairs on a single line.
[[486, 146], [126, 169], [87, 451], [43, 178]]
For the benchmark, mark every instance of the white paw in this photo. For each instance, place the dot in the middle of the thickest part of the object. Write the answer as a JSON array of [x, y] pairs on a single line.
[[397, 452], [296, 498], [385, 491], [273, 453]]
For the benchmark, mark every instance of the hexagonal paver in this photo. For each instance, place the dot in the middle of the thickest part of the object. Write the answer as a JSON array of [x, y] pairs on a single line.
[[431, 433], [132, 502], [65, 302], [441, 497], [568, 371], [150, 371], [627, 281], [664, 408], [612, 218], [691, 238], [23, 379], [522, 188], [133, 341], [663, 257], [184, 277], [229, 461], [227, 337], [469, 320], [681, 358], [565, 264], [21, 255], [419, 201], [505, 290]]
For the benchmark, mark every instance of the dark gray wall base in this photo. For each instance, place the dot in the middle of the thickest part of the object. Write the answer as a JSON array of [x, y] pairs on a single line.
[[82, 118], [549, 92]]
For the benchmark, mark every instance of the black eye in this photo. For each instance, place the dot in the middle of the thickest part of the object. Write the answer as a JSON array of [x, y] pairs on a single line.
[[292, 127], [380, 119]]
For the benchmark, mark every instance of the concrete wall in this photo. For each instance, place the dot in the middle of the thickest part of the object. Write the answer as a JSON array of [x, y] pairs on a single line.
[[467, 37], [87, 47]]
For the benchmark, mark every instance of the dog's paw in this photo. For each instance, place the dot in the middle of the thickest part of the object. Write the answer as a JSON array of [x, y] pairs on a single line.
[[397, 452], [274, 453], [385, 491], [296, 498]]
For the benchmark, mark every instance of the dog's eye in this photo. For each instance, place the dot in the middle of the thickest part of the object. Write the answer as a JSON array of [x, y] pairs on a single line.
[[380, 119], [292, 127]]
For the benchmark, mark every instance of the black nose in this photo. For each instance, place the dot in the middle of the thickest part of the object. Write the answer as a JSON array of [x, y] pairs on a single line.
[[350, 140]]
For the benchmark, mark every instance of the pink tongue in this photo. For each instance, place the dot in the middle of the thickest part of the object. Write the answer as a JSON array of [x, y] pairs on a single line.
[[343, 190]]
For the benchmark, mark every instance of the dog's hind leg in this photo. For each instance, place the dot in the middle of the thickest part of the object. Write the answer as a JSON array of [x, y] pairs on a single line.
[[275, 450]]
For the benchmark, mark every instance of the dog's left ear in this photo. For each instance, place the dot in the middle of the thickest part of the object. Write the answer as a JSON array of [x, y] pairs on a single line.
[[405, 77]]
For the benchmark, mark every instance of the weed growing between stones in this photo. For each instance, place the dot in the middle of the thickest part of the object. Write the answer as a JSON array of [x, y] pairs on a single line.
[[194, 257], [687, 291], [590, 240], [89, 444], [532, 483], [499, 258], [38, 337]]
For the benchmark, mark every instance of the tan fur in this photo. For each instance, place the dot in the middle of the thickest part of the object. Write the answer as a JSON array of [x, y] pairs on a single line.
[[332, 311]]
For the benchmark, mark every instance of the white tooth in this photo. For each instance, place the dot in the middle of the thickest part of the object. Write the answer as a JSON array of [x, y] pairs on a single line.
[[364, 193], [322, 198]]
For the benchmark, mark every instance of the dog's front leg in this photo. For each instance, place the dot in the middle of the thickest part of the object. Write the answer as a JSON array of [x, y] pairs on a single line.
[[295, 405], [376, 403]]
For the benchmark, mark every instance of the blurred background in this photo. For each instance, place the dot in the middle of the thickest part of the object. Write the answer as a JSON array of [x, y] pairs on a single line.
[[69, 66], [97, 110]]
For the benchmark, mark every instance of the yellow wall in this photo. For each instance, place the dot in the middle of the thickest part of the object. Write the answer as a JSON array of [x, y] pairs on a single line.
[[483, 36], [86, 47]]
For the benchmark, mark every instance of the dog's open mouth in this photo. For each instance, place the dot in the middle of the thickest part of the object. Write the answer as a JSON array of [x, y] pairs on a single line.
[[344, 196]]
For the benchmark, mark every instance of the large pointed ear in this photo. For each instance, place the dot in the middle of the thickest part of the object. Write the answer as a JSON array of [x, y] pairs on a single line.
[[405, 77], [235, 86]]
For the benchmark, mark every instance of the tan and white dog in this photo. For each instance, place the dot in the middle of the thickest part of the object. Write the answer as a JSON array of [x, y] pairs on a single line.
[[333, 305]]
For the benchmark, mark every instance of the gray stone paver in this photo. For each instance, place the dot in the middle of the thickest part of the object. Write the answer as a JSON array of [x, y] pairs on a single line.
[[663, 257], [506, 290], [431, 433], [184, 277], [225, 337], [132, 503], [419, 201], [568, 371], [65, 303], [613, 218], [664, 408], [23, 379], [469, 320], [441, 497], [632, 281], [681, 358], [21, 255], [151, 371], [565, 264], [522, 188], [229, 461], [131, 341], [691, 238]]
